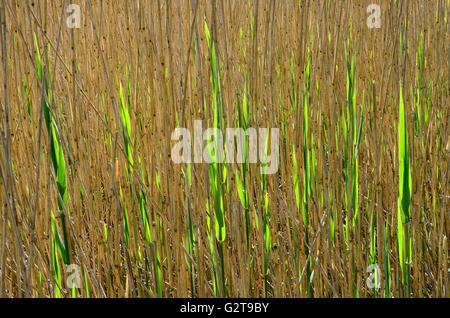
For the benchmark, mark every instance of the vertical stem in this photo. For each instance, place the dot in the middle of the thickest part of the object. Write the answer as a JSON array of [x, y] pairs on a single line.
[[7, 177]]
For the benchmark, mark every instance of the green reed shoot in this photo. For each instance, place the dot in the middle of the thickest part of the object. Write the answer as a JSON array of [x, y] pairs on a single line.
[[141, 193], [243, 120], [59, 246], [404, 239], [216, 169], [267, 237], [307, 141]]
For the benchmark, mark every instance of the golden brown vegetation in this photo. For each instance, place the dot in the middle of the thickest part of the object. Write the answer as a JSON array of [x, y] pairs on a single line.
[[86, 174]]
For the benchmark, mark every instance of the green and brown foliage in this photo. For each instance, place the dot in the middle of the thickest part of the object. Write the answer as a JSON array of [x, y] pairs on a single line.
[[87, 178]]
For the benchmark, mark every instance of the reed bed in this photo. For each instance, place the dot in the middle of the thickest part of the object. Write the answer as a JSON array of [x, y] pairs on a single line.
[[88, 179]]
